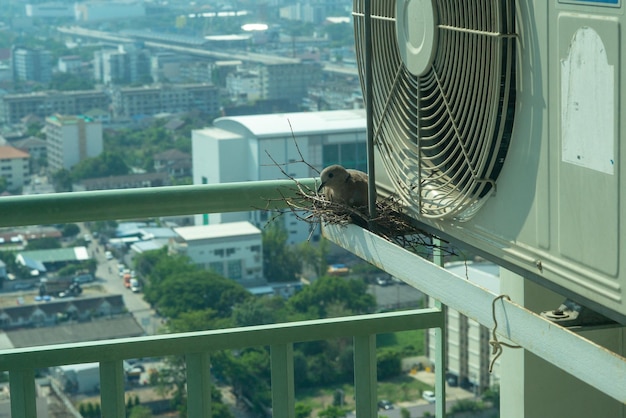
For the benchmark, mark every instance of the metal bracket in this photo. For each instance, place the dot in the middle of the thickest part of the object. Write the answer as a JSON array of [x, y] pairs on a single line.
[[571, 314]]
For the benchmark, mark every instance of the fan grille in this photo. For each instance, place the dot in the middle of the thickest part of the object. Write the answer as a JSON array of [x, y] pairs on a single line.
[[443, 134]]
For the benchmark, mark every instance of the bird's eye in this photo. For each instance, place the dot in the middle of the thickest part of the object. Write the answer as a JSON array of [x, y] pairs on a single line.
[[330, 175]]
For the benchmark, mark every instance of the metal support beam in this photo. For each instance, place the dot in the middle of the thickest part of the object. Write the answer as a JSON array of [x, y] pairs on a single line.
[[283, 388], [112, 389], [198, 385], [531, 331], [147, 202], [365, 381], [23, 393]]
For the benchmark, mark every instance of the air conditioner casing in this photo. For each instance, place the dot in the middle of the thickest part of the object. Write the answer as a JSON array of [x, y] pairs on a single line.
[[557, 213]]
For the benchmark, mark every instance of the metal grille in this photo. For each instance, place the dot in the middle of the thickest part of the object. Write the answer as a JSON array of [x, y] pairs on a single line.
[[443, 134]]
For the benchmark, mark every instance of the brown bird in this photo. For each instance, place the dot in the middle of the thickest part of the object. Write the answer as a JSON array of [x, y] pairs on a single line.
[[348, 187]]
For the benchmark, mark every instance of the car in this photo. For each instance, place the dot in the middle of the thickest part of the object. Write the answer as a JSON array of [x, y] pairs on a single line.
[[383, 281], [385, 404], [83, 278], [429, 396], [108, 255]]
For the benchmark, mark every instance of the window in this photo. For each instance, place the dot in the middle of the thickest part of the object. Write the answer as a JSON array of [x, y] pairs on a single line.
[[230, 251], [234, 269], [219, 253], [218, 267]]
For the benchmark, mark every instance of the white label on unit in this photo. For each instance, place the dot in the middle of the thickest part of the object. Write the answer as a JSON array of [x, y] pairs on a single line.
[[588, 104]]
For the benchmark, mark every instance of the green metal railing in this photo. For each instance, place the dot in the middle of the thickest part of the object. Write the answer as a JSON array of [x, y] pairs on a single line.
[[195, 346]]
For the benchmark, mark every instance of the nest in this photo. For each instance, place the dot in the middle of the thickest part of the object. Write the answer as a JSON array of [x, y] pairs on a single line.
[[390, 222]]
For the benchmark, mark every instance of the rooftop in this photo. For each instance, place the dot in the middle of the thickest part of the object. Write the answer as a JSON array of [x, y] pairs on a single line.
[[232, 229], [10, 153], [300, 123], [57, 254]]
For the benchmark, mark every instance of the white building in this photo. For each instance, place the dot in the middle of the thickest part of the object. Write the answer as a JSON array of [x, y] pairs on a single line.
[[50, 10], [14, 166], [467, 342], [238, 149], [96, 10], [71, 139], [232, 250]]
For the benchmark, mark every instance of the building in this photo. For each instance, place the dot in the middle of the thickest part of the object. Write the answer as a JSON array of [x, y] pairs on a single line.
[[52, 259], [14, 107], [129, 63], [130, 181], [173, 162], [468, 351], [287, 81], [36, 148], [72, 139], [70, 64], [233, 250], [96, 10], [138, 102], [31, 64], [52, 10], [14, 167], [241, 148]]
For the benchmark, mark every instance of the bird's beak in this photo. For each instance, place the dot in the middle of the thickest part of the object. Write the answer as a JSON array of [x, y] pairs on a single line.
[[319, 189]]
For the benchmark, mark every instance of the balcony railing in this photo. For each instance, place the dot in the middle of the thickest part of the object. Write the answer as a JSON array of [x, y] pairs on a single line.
[[196, 346]]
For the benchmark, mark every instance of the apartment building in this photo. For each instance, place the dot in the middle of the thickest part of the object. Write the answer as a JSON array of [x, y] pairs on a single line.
[[232, 250], [137, 102], [14, 167], [31, 64], [241, 148], [14, 107], [71, 139]]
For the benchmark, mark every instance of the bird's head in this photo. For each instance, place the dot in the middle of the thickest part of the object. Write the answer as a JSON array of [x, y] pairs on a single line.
[[332, 175]]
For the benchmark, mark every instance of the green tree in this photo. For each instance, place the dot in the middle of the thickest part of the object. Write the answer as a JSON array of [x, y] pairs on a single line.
[[104, 165], [70, 230], [281, 262], [332, 412], [3, 184], [314, 256], [405, 413], [303, 410], [328, 291], [260, 311], [68, 81], [388, 363], [197, 290], [45, 243], [62, 180], [140, 411]]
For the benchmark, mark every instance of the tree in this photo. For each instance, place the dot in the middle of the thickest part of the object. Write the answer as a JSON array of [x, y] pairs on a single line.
[[314, 256], [303, 410], [259, 311], [104, 165], [197, 290], [140, 411], [45, 243], [70, 230], [3, 184], [328, 291], [388, 363], [332, 412], [281, 262], [62, 180]]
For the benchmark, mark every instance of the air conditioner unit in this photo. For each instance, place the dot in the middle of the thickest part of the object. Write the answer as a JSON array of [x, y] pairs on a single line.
[[497, 123]]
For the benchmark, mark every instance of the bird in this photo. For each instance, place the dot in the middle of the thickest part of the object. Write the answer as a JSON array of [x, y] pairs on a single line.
[[344, 186]]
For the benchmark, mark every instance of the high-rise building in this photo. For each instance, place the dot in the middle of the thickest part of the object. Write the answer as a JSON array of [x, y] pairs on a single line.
[[14, 107], [241, 148], [14, 166], [129, 63], [71, 139], [31, 64]]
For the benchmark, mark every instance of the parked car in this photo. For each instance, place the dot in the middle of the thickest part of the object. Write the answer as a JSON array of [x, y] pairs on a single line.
[[385, 404], [108, 255], [83, 278], [383, 281], [429, 396]]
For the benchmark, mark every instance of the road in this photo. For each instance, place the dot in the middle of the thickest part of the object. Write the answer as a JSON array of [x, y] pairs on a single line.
[[107, 274]]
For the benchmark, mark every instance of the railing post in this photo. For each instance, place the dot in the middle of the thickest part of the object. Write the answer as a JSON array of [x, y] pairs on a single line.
[[198, 385], [283, 392], [441, 354], [112, 389], [23, 393], [365, 380]]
